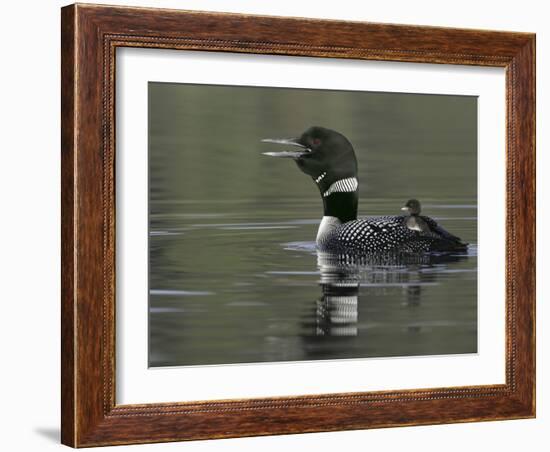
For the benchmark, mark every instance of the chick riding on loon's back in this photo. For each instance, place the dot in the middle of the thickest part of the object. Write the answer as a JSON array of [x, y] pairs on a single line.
[[328, 157], [414, 221]]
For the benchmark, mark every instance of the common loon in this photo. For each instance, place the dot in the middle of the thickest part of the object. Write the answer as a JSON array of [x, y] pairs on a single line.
[[329, 159]]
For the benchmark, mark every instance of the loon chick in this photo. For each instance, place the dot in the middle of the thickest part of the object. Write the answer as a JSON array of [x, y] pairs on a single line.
[[329, 159], [414, 221]]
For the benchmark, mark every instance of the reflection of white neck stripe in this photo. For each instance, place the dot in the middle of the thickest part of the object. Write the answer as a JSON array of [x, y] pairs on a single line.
[[344, 185]]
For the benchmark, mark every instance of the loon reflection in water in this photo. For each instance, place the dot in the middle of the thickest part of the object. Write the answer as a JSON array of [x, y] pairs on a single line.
[[329, 159], [337, 310]]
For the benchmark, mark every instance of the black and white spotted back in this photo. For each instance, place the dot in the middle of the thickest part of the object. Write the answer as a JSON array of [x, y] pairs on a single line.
[[388, 234]]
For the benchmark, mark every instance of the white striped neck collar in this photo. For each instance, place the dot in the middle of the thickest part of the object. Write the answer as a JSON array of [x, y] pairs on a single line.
[[347, 185]]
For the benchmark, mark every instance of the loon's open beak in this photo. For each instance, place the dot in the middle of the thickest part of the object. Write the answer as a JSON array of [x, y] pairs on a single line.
[[289, 142]]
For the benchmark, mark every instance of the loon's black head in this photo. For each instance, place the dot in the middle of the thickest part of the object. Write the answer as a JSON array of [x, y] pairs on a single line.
[[328, 157], [325, 155], [412, 207]]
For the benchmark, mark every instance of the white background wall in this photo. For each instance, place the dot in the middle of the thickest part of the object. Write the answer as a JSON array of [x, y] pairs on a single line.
[[29, 225]]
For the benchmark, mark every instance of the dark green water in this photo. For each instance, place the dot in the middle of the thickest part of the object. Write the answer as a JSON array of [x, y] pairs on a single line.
[[234, 276]]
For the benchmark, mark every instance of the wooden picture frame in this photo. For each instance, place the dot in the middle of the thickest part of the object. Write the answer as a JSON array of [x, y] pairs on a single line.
[[90, 36]]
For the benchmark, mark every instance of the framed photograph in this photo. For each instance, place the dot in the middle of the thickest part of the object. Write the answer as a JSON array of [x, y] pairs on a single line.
[[266, 231]]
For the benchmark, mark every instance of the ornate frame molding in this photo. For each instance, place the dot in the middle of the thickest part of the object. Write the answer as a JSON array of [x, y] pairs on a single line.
[[90, 36]]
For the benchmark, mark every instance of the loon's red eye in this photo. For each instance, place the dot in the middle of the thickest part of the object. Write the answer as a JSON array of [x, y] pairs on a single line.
[[316, 142]]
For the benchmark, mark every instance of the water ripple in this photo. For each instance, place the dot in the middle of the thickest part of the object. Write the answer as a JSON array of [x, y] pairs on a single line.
[[179, 293]]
